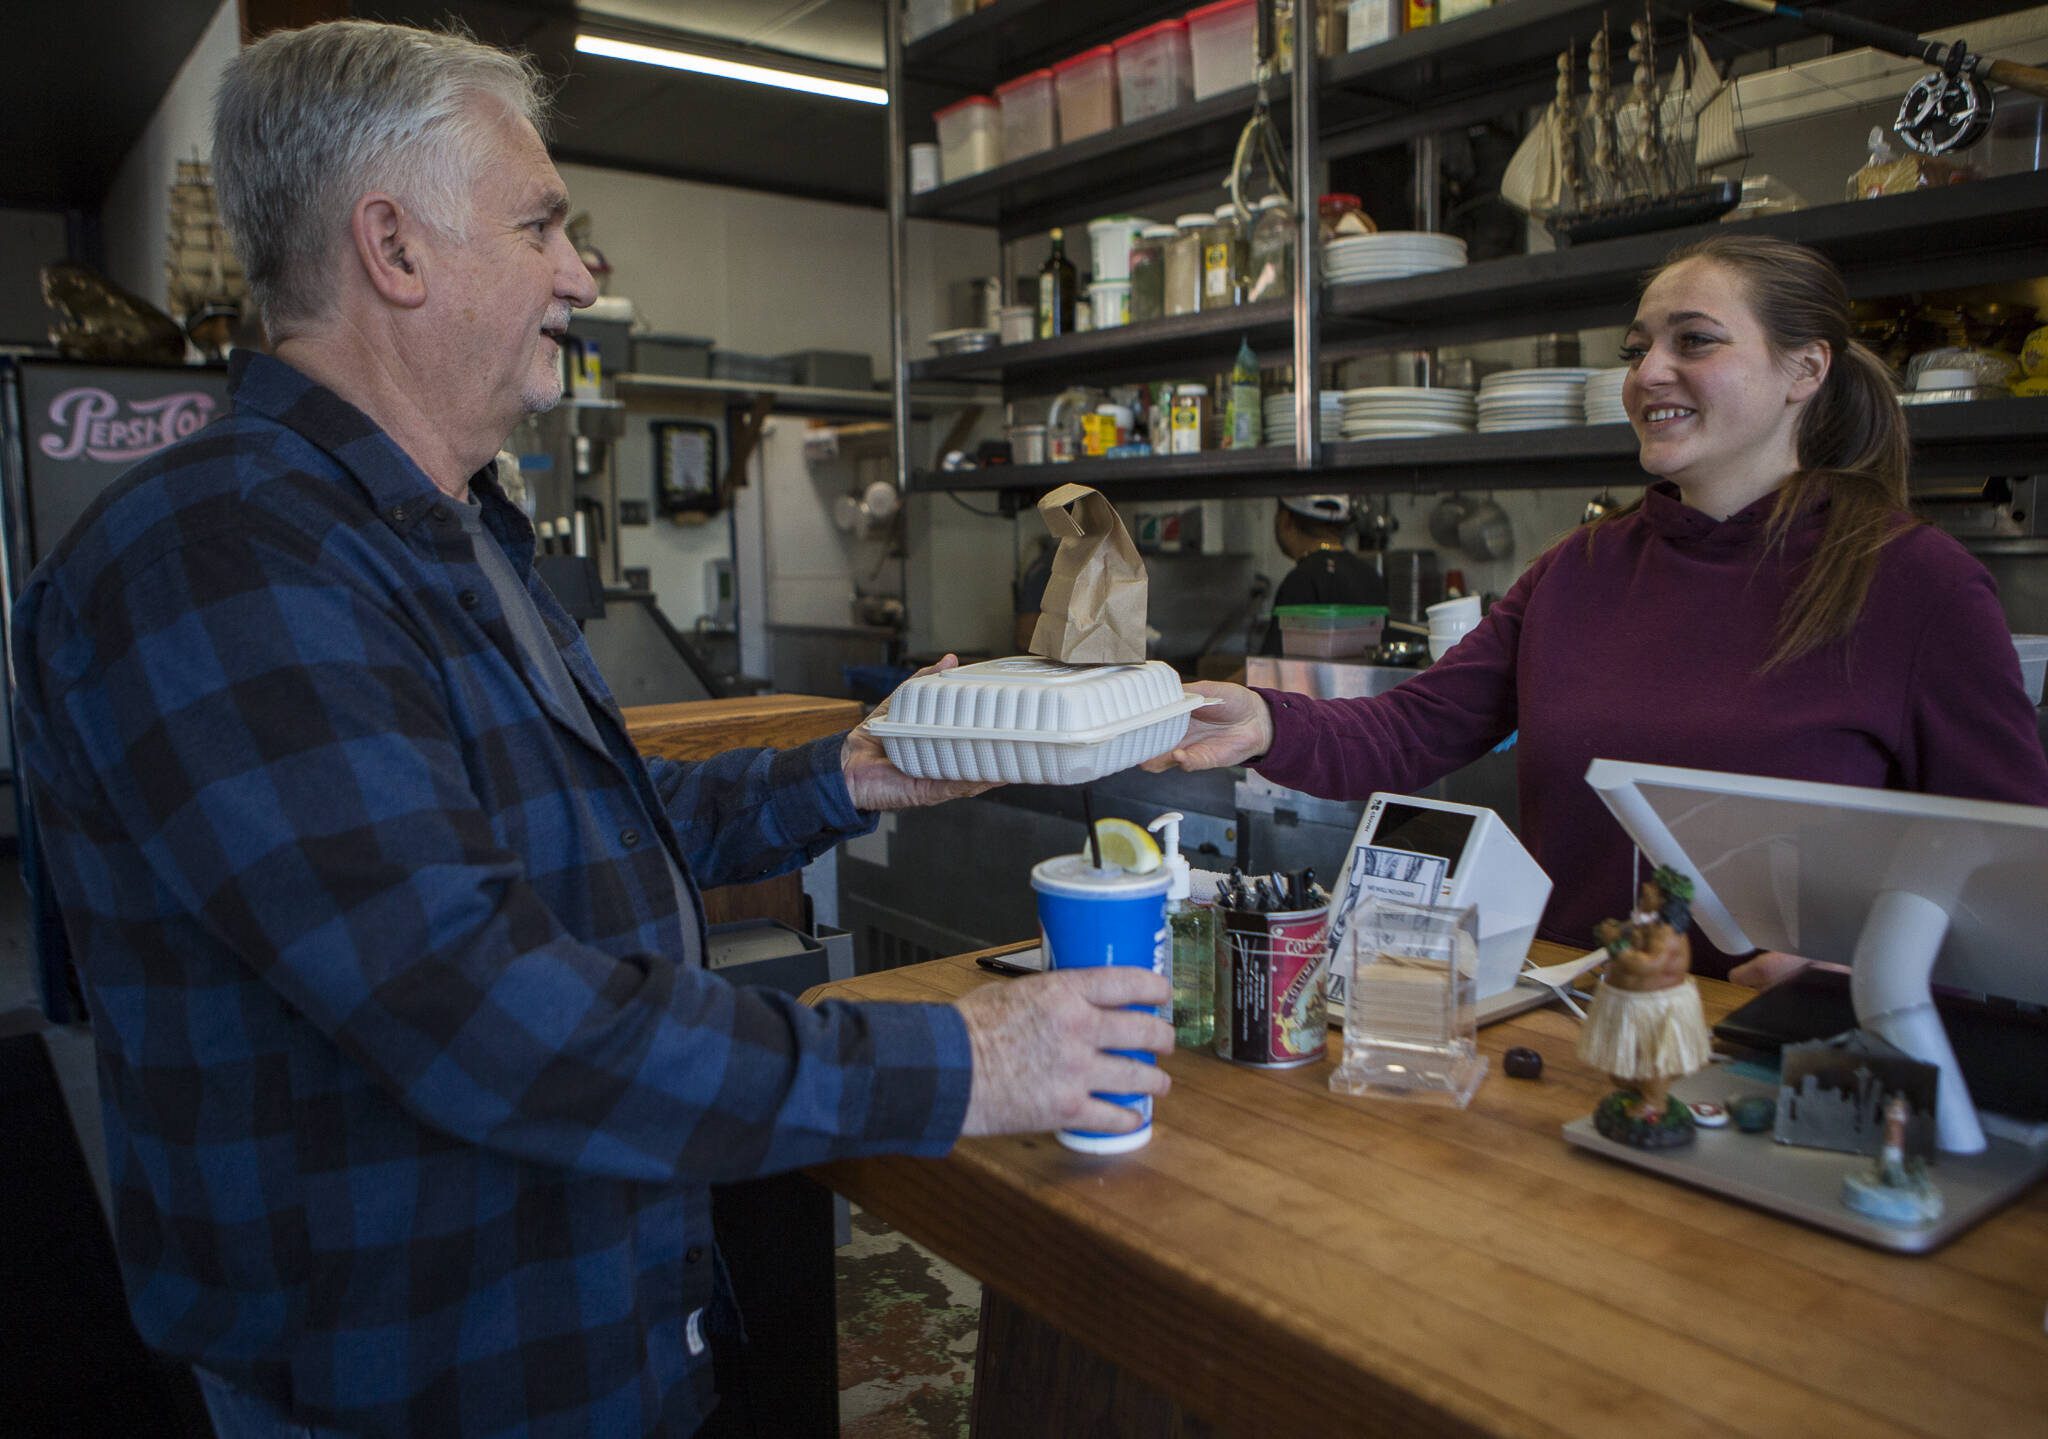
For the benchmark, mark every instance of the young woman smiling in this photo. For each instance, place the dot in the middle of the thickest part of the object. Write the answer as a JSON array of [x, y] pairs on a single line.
[[1769, 607]]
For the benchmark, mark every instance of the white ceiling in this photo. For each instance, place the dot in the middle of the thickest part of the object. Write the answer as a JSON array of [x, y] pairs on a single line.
[[844, 32]]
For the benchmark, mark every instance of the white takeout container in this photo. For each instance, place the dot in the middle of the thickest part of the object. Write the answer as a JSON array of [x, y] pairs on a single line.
[[1027, 720]]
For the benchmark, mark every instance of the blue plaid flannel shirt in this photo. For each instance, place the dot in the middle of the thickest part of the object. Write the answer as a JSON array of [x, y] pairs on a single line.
[[414, 1079]]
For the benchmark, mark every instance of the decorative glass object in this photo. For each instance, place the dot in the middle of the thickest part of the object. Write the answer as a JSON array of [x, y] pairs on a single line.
[[1411, 1026]]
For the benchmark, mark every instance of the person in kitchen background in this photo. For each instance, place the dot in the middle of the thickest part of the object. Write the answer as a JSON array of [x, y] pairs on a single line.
[[1311, 530], [415, 1081], [1769, 607]]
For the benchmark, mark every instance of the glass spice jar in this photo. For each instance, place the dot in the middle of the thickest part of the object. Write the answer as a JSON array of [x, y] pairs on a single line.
[[1270, 272], [1220, 287], [1184, 265], [1148, 272]]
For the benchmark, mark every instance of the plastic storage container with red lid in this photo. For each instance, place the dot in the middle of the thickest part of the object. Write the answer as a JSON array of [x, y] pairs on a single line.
[[970, 138], [1087, 91], [1030, 118], [1154, 72], [1222, 41]]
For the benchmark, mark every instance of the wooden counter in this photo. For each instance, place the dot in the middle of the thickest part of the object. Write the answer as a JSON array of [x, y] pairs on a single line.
[[1284, 1260], [703, 728]]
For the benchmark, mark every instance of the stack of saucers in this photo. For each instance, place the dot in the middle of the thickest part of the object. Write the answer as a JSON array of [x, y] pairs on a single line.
[[1389, 412], [1279, 414], [1533, 399], [1390, 255], [1603, 397]]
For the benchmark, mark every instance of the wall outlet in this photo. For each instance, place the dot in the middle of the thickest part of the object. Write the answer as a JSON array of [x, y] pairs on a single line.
[[633, 512]]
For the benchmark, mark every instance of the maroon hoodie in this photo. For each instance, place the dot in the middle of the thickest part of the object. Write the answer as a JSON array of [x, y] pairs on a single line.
[[1650, 647]]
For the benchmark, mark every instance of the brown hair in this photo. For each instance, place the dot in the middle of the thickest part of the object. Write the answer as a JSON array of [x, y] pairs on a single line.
[[1853, 447]]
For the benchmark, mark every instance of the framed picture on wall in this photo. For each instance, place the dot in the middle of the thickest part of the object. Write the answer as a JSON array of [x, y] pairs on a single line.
[[686, 467]]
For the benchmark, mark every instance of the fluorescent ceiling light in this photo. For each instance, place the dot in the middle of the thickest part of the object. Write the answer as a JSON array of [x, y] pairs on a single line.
[[730, 69]]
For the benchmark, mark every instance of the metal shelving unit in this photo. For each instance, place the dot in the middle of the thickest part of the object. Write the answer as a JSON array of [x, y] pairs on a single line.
[[1989, 437], [1404, 90]]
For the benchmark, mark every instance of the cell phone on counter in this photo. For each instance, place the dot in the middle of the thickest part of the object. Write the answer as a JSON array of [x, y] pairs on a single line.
[[1024, 961]]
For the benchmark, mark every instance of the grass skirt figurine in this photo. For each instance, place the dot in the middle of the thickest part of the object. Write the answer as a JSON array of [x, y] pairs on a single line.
[[1646, 1027]]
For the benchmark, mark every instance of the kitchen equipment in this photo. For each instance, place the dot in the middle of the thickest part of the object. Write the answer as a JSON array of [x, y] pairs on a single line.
[[1221, 41], [1485, 532], [1027, 720], [964, 342], [924, 167]]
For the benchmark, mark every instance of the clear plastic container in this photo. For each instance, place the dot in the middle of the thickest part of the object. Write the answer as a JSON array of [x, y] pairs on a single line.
[[1221, 40], [1329, 632], [1087, 91], [970, 138], [1154, 70], [1031, 721], [1030, 117]]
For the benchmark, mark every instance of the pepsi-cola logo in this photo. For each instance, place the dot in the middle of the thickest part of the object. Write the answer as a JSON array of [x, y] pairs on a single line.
[[89, 421]]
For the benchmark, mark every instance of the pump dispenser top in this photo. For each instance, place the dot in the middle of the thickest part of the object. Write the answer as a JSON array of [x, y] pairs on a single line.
[[1178, 884]]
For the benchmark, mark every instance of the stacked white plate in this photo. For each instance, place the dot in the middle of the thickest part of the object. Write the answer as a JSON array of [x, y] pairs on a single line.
[[1603, 397], [1390, 255], [1399, 412], [1533, 399], [1279, 416]]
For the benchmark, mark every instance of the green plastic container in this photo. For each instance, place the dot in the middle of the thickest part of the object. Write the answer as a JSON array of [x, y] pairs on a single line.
[[1329, 632]]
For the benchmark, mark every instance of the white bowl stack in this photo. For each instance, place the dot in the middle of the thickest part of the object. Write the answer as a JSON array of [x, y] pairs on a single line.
[[1390, 255], [1603, 397], [1533, 399], [1279, 414], [1450, 622], [1401, 412]]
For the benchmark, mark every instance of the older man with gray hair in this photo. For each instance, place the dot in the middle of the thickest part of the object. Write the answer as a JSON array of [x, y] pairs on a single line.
[[415, 1080]]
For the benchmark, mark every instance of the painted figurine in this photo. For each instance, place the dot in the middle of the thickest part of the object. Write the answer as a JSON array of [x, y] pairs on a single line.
[[1646, 1027], [1896, 1190]]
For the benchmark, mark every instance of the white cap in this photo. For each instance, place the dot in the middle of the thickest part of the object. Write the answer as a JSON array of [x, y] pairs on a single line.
[[1178, 885]]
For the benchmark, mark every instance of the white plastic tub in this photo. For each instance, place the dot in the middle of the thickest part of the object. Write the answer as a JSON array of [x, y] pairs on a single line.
[[1109, 242], [1087, 91], [970, 138], [1031, 721], [1221, 38], [1154, 72], [1030, 118], [1110, 303]]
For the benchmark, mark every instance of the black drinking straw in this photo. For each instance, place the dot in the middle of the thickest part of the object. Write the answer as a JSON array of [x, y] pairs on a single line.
[[1088, 814]]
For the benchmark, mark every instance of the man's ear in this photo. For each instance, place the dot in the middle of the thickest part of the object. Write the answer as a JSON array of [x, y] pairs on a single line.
[[387, 246], [1810, 365]]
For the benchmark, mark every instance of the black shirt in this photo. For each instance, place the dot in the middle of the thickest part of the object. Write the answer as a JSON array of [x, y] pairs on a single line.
[[1326, 577]]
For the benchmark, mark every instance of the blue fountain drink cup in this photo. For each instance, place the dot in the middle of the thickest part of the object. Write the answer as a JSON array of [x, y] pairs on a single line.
[[1088, 917]]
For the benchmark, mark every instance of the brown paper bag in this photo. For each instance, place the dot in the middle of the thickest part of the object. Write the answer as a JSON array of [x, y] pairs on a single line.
[[1094, 607]]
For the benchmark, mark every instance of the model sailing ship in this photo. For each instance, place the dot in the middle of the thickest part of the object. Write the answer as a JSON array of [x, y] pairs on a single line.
[[203, 281], [1603, 164]]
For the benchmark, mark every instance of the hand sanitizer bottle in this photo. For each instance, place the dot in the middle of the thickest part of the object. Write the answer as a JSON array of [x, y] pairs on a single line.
[[1193, 928]]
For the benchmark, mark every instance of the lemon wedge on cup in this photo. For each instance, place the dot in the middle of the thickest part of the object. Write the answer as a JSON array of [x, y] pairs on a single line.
[[1127, 846]]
